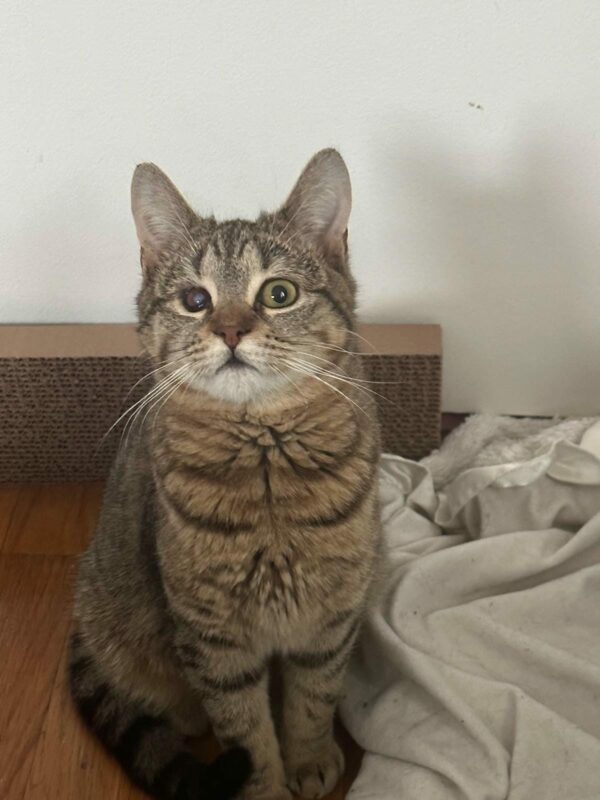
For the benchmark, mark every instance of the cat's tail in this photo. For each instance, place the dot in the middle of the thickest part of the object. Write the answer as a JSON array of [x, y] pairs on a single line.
[[150, 751]]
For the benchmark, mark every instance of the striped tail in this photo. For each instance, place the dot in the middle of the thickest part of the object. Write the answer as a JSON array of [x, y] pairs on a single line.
[[149, 750]]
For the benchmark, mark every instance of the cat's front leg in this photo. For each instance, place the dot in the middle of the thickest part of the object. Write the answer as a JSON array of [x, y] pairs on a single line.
[[313, 680], [233, 684]]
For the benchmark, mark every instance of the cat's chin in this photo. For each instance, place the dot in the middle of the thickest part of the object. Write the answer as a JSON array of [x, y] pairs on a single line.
[[239, 385]]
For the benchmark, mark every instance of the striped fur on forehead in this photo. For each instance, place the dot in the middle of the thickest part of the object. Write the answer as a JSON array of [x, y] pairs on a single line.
[[231, 238], [231, 259]]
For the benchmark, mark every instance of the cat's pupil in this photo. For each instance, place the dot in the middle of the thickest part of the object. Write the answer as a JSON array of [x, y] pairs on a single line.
[[195, 299], [279, 294]]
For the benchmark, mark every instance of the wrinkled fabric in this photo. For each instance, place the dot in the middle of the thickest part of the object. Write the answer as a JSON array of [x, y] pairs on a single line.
[[478, 674]]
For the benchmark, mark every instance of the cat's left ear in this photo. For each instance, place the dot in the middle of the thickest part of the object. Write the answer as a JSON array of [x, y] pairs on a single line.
[[319, 206], [162, 216]]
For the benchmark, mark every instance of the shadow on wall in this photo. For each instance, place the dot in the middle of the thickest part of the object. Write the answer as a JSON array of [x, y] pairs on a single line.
[[513, 271]]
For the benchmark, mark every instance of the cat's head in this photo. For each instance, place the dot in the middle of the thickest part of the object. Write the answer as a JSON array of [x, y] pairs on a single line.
[[242, 309]]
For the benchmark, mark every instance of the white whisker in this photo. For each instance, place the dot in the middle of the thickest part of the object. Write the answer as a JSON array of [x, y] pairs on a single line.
[[165, 397], [358, 336], [323, 345], [131, 422], [347, 380], [165, 365], [141, 400], [311, 374], [350, 378], [289, 379]]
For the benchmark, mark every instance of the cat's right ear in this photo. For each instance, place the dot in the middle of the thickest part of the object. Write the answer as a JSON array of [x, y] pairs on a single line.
[[319, 206], [162, 216]]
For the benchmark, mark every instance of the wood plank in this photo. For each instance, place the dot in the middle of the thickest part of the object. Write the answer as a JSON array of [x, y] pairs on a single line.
[[81, 524], [53, 519], [34, 614], [9, 495], [68, 763]]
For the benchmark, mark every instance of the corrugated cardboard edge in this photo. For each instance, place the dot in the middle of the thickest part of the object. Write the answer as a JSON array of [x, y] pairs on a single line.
[[63, 386]]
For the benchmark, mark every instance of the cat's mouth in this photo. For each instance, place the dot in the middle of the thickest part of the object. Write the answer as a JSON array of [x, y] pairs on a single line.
[[235, 363]]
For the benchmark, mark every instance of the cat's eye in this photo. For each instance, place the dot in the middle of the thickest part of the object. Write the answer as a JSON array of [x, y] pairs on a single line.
[[196, 299], [278, 293]]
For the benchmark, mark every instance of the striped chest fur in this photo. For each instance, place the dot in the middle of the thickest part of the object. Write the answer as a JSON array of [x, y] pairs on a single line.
[[266, 513]]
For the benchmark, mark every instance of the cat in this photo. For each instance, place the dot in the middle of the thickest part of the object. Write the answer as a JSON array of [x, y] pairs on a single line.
[[240, 521]]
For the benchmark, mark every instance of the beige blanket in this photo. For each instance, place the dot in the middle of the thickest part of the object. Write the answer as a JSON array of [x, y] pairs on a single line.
[[478, 677]]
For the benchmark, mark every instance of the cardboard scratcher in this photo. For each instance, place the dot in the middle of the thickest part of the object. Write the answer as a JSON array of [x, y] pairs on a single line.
[[63, 386]]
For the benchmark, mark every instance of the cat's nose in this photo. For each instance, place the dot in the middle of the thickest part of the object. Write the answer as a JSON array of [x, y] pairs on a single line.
[[231, 334]]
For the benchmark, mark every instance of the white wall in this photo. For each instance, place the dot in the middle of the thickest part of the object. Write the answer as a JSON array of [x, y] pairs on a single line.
[[471, 129]]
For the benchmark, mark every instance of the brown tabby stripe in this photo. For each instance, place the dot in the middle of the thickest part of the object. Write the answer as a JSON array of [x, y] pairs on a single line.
[[317, 659], [217, 474], [328, 698], [236, 683], [341, 617], [339, 515], [216, 641], [211, 522], [131, 739]]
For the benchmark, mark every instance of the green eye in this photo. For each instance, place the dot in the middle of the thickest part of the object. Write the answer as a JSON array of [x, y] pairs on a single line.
[[278, 293]]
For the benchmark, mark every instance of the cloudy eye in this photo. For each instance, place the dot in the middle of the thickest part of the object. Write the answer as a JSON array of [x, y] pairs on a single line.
[[195, 299], [278, 293]]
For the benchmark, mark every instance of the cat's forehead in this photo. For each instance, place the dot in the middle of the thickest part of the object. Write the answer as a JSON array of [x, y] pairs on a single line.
[[230, 239], [234, 253]]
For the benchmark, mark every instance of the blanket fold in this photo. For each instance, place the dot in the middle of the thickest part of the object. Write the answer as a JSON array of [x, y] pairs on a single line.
[[478, 674]]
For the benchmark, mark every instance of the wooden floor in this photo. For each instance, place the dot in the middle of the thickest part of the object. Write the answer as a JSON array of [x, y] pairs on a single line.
[[45, 754]]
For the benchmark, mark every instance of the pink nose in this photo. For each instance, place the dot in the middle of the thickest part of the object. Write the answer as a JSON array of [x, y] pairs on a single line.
[[231, 334]]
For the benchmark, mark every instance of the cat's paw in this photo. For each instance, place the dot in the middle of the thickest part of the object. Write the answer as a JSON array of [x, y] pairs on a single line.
[[316, 775]]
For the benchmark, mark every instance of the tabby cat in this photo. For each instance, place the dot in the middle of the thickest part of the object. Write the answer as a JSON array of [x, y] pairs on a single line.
[[240, 521]]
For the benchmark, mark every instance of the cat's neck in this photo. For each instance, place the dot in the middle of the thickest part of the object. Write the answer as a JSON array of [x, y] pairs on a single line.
[[317, 420], [306, 399]]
